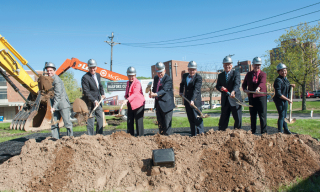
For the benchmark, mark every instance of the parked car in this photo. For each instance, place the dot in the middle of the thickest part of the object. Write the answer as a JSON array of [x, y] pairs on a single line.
[[216, 106], [205, 106], [308, 94], [316, 94]]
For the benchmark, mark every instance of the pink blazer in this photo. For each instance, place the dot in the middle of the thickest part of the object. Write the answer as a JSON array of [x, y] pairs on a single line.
[[135, 94]]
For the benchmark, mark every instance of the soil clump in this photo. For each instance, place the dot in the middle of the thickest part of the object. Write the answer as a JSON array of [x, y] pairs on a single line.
[[231, 160]]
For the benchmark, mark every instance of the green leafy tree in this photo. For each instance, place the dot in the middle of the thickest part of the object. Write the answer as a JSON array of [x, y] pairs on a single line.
[[298, 49], [71, 85], [141, 77]]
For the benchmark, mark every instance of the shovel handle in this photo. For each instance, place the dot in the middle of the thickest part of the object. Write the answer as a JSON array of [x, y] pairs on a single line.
[[202, 116], [95, 107]]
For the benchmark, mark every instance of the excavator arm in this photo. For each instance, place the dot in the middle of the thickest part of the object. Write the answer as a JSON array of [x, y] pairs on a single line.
[[13, 67], [82, 66], [35, 114]]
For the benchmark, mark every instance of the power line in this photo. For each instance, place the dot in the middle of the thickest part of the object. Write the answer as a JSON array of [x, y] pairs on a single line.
[[228, 33], [229, 27], [225, 40]]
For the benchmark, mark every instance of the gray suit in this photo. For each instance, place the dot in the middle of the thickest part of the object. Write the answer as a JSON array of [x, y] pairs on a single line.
[[60, 102]]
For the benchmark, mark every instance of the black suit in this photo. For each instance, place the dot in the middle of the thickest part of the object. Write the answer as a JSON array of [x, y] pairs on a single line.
[[164, 103], [192, 92], [92, 93], [228, 104]]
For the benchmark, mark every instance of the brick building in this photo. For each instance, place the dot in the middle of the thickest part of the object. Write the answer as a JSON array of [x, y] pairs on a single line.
[[243, 66], [11, 101]]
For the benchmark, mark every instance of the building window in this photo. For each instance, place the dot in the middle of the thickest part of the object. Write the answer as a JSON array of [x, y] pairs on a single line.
[[3, 81], [178, 101], [3, 94], [170, 69]]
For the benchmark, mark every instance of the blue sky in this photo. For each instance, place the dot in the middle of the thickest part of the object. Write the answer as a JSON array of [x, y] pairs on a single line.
[[56, 30]]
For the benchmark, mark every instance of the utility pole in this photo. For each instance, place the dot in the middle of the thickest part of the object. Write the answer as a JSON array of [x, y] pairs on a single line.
[[111, 43]]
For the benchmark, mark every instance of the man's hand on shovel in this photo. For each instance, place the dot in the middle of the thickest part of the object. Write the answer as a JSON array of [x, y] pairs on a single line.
[[97, 105], [52, 122]]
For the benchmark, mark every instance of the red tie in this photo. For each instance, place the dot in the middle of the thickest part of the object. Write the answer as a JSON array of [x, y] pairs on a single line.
[[158, 85]]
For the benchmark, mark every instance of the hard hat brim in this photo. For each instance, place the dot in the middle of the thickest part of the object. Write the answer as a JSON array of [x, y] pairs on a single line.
[[131, 73], [158, 71]]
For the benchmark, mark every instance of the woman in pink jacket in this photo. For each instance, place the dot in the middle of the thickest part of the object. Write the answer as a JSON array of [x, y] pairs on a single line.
[[135, 102]]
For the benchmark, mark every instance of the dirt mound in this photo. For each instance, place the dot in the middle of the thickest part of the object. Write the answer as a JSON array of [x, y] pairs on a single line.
[[233, 160]]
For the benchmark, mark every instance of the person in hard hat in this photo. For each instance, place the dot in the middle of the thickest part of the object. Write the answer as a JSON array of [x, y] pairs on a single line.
[[162, 91], [93, 92], [135, 102], [255, 80], [60, 104], [230, 80], [191, 86], [282, 90]]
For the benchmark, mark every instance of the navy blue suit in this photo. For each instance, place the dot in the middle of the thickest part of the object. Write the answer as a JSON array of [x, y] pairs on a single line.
[[228, 104], [281, 87], [164, 103], [192, 92]]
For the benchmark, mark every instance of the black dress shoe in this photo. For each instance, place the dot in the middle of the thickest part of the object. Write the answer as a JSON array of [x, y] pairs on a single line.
[[287, 132]]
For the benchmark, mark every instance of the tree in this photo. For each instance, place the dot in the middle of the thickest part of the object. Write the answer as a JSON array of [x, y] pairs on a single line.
[[209, 81], [141, 77], [298, 49], [71, 85]]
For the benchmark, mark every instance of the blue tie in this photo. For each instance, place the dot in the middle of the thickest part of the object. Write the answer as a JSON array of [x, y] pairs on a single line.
[[227, 77]]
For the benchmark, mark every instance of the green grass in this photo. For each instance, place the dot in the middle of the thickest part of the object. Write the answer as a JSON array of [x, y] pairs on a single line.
[[302, 185]]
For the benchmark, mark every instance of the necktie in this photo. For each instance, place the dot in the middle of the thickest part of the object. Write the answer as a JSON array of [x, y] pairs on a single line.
[[227, 77], [158, 85], [96, 80]]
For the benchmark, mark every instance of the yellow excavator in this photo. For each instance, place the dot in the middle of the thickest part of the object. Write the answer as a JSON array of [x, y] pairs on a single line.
[[35, 113]]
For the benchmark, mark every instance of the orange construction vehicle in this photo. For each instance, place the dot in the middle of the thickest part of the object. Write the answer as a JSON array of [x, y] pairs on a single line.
[[79, 65]]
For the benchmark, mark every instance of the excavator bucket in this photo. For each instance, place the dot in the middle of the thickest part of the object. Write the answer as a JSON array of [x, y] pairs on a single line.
[[36, 113]]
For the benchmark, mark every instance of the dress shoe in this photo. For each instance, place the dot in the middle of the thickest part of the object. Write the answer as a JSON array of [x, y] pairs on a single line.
[[287, 132]]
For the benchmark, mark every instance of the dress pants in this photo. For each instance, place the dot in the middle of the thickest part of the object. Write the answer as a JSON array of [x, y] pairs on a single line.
[[90, 123], [196, 123], [282, 111], [137, 115], [164, 121], [225, 115], [65, 114], [259, 106]]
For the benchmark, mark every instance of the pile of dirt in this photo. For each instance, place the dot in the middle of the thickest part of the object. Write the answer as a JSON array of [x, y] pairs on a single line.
[[232, 160]]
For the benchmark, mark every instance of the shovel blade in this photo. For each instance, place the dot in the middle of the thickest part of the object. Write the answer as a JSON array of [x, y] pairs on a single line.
[[290, 122]]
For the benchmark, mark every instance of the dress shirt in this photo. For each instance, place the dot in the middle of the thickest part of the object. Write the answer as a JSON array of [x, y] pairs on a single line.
[[189, 78], [96, 80]]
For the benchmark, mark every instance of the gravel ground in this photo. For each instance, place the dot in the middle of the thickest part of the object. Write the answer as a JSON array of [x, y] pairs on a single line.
[[13, 147]]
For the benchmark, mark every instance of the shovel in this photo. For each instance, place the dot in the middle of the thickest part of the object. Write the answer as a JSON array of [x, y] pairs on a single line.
[[148, 88], [90, 116], [267, 93], [52, 122], [119, 115], [234, 98], [201, 114], [290, 120]]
